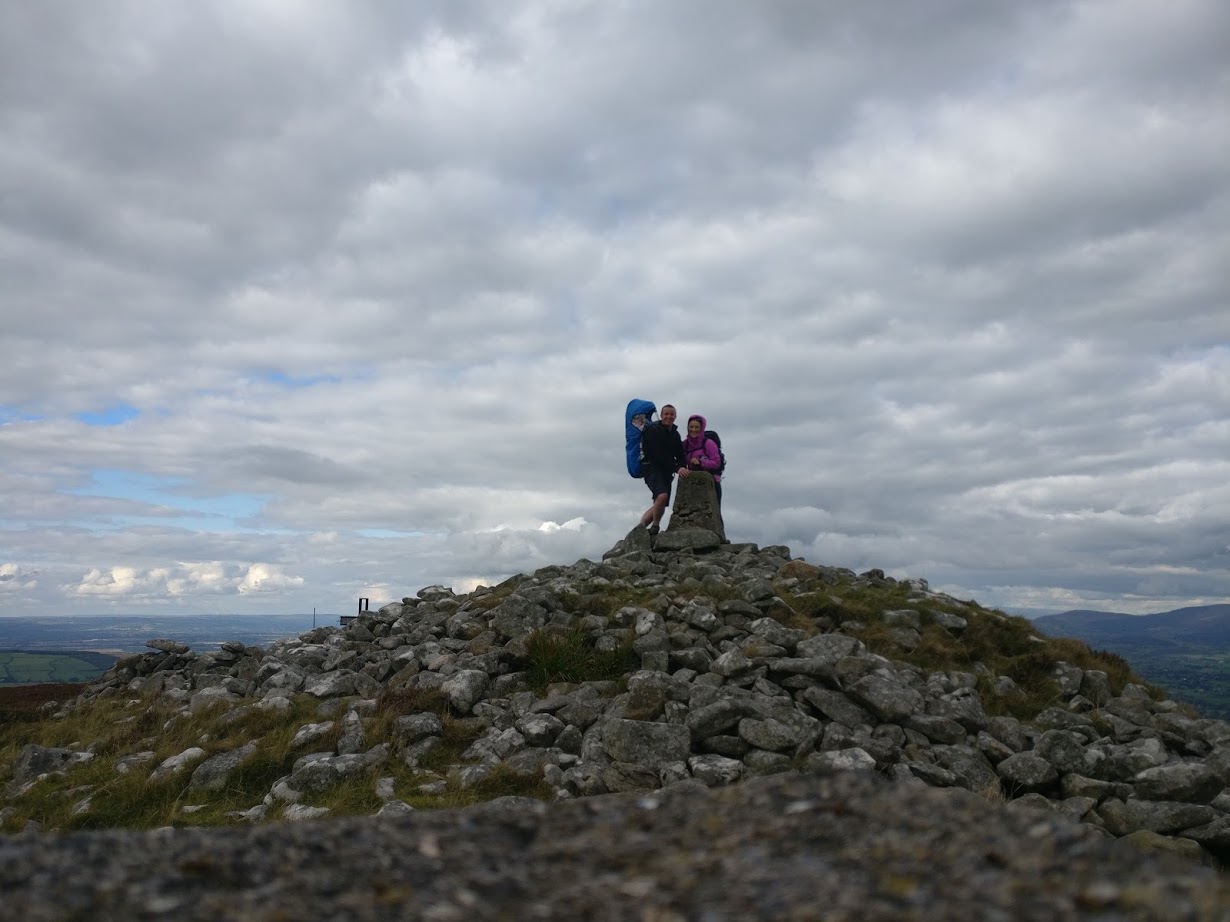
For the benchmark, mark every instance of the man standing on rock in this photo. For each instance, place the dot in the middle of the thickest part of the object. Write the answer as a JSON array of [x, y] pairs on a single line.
[[662, 448]]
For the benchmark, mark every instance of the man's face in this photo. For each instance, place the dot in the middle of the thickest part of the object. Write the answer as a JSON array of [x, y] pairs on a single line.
[[668, 416]]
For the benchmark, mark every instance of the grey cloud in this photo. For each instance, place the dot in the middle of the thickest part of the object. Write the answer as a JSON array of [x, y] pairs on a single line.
[[256, 466], [949, 282]]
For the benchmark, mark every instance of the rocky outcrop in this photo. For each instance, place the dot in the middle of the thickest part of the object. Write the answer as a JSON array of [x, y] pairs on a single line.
[[726, 681]]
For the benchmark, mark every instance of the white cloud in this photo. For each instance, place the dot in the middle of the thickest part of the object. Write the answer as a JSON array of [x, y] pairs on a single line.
[[16, 578], [262, 577], [571, 525], [182, 581]]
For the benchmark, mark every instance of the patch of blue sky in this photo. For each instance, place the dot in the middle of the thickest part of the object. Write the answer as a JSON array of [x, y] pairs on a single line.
[[14, 415], [113, 415], [175, 493]]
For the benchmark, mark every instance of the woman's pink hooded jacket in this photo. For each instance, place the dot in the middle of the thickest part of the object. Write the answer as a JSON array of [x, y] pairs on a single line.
[[704, 449]]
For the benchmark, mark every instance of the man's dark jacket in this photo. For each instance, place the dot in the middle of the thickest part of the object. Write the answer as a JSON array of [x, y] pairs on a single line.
[[663, 448]]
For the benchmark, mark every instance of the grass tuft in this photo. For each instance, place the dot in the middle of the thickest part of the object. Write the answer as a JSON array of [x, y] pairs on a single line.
[[570, 657]]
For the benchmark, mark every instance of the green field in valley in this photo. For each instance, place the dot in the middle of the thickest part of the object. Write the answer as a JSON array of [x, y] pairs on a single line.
[[1202, 680], [19, 667]]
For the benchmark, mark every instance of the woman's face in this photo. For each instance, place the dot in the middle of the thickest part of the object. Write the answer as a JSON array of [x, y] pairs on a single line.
[[694, 427]]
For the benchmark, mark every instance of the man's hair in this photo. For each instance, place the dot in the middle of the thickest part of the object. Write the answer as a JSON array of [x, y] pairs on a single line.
[[671, 405]]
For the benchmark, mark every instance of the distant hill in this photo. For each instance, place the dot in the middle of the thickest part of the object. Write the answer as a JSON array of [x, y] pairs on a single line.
[[1184, 630], [1186, 651]]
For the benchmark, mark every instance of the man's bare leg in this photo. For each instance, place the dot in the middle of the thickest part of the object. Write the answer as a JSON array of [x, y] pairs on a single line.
[[657, 510]]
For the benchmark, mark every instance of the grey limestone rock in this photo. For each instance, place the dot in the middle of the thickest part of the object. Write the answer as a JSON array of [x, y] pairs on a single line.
[[715, 770], [714, 718], [34, 760], [954, 624], [642, 742], [353, 738], [853, 759], [434, 593], [1214, 835], [1066, 752], [177, 763], [464, 689], [731, 663], [769, 734], [321, 774], [1095, 686], [411, 728], [167, 646], [902, 617], [516, 616], [1028, 773], [777, 633], [213, 696], [1124, 763], [1186, 781], [832, 647], [125, 764], [335, 684], [1069, 678], [213, 773], [935, 728], [886, 696], [1123, 817], [299, 812], [540, 729], [836, 706], [310, 733], [394, 808]]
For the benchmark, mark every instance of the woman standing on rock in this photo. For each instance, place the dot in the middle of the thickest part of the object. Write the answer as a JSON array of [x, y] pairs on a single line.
[[702, 452]]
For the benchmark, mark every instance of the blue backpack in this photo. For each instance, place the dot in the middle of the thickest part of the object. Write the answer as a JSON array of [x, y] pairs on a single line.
[[638, 415]]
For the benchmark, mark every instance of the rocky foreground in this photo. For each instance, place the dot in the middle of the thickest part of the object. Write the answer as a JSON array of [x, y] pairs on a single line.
[[789, 847], [743, 664]]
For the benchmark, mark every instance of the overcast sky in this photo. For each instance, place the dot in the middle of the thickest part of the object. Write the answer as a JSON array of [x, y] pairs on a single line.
[[308, 301]]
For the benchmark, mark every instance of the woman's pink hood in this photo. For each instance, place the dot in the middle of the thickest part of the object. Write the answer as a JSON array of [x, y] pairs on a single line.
[[692, 444]]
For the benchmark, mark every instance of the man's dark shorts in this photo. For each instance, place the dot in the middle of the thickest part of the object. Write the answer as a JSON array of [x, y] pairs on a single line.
[[659, 482]]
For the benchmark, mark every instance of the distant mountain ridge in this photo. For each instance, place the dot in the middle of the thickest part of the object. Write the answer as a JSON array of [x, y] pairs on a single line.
[[1175, 631]]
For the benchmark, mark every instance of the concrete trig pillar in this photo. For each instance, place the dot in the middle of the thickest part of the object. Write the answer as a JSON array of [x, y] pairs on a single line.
[[696, 518]]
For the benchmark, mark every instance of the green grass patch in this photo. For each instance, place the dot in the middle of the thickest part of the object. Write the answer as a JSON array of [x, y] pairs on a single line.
[[117, 726], [569, 656]]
